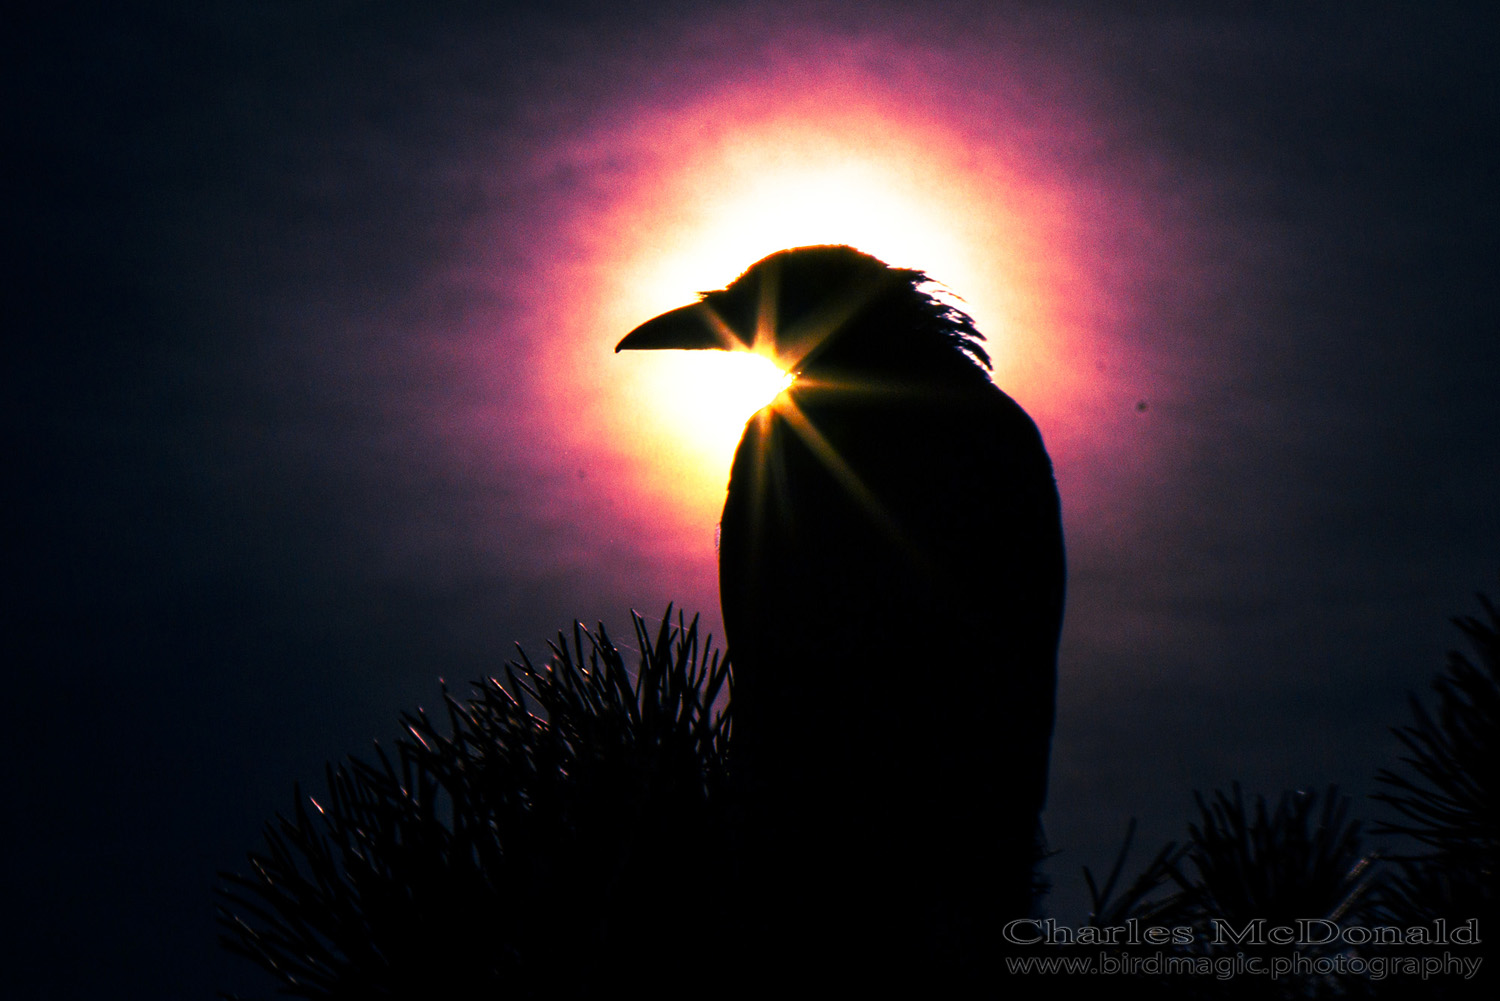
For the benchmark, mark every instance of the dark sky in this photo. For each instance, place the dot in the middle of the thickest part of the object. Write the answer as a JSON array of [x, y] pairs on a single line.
[[311, 399]]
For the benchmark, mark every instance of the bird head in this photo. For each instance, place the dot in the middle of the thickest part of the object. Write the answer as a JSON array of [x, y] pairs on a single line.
[[812, 305]]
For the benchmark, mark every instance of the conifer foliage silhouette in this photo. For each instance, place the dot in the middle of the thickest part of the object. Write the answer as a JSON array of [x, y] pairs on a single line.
[[566, 823], [1447, 793]]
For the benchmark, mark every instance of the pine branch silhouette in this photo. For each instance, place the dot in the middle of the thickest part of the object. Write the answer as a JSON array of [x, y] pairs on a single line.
[[1140, 900], [1296, 861], [1452, 802], [566, 823], [1241, 868], [1448, 795]]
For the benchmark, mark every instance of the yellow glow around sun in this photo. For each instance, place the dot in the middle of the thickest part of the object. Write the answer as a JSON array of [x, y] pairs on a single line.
[[712, 394]]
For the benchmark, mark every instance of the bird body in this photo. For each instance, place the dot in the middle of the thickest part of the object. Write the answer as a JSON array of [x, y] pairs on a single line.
[[891, 573]]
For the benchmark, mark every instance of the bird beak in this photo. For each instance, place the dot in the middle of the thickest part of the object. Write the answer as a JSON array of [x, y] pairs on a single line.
[[692, 327]]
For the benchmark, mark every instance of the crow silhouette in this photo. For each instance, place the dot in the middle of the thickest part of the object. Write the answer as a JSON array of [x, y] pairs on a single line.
[[891, 572]]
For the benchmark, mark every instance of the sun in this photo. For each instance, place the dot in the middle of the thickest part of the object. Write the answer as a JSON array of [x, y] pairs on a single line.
[[705, 398]]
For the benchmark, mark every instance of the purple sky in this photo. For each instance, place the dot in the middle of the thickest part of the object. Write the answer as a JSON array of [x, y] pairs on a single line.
[[315, 401]]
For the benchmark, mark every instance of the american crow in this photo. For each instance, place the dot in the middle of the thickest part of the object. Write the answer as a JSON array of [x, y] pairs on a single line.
[[891, 571]]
